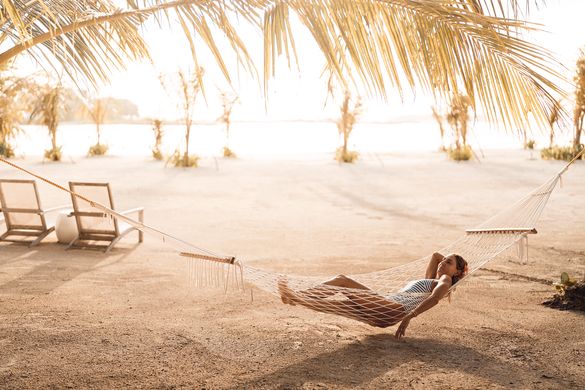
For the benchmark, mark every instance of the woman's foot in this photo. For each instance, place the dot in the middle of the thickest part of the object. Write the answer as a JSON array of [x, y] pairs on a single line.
[[286, 294]]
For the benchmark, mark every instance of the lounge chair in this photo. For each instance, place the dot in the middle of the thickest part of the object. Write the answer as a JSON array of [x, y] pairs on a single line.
[[92, 225], [22, 212]]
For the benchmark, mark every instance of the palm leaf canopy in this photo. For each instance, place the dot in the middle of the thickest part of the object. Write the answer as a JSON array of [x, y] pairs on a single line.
[[472, 47]]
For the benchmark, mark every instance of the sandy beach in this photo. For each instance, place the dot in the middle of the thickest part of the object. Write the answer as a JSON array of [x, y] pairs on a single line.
[[132, 319]]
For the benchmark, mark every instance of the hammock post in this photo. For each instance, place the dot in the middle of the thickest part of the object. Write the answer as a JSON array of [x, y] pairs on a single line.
[[522, 247]]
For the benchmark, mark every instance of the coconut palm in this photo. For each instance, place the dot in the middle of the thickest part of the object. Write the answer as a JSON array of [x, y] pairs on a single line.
[[441, 46], [47, 108]]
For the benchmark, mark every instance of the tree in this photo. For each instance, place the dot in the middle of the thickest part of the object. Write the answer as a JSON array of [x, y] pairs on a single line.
[[188, 85], [158, 135], [552, 119], [350, 110], [435, 46], [458, 119], [579, 111], [97, 110], [227, 101], [48, 107], [439, 119]]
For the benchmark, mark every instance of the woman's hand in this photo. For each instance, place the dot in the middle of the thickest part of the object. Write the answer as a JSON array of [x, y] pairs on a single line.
[[401, 331]]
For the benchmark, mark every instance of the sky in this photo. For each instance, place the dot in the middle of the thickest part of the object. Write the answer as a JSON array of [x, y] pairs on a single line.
[[301, 95]]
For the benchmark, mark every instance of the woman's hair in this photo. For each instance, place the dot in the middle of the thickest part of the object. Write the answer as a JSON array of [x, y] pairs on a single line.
[[461, 265]]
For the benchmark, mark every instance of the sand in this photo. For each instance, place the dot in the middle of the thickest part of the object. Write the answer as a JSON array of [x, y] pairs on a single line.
[[131, 319]]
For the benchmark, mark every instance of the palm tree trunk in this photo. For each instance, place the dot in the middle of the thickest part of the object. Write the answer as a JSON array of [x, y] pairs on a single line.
[[54, 139], [98, 132], [345, 138], [187, 134]]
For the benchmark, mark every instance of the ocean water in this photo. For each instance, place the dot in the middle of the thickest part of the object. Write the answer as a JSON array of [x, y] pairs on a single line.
[[267, 139]]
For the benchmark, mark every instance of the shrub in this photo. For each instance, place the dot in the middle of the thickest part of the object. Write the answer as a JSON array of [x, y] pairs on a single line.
[[6, 150], [53, 154], [530, 144], [462, 153], [179, 160], [97, 150], [157, 154], [566, 153], [227, 153], [348, 156], [570, 294]]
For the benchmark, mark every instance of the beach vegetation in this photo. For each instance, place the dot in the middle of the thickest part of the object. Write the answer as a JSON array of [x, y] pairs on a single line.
[[579, 110], [458, 119], [228, 153], [530, 144], [552, 119], [566, 153], [97, 150], [157, 125], [97, 110], [178, 160], [188, 85], [350, 111], [504, 73], [461, 153], [14, 94], [227, 102], [570, 294], [48, 106]]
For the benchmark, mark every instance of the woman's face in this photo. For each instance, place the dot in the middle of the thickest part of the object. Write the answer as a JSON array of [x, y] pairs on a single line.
[[448, 266]]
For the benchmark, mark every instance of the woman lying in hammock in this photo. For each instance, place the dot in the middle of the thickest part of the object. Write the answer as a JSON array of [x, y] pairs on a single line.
[[382, 311]]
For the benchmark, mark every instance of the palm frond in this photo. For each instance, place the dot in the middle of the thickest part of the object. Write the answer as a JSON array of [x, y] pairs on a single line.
[[442, 46]]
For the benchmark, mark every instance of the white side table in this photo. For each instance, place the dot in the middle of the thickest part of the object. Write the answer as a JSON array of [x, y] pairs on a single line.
[[65, 227]]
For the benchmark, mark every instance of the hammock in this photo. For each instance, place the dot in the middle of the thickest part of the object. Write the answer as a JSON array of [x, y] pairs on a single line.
[[478, 246]]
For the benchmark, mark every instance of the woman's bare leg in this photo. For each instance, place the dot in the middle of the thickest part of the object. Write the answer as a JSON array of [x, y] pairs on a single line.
[[325, 289], [366, 307]]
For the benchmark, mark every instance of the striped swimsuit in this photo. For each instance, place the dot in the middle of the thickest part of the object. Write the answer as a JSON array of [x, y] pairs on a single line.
[[413, 293]]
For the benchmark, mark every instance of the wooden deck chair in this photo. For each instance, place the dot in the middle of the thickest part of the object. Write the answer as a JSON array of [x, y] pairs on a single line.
[[23, 215], [92, 225]]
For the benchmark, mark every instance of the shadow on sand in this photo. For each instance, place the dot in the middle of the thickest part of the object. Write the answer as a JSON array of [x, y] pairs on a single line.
[[361, 362], [49, 266]]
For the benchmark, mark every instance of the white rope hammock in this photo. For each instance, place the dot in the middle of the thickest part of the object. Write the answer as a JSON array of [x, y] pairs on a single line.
[[401, 285]]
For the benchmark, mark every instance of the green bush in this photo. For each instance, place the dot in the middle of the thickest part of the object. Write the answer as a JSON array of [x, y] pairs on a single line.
[[566, 153], [53, 154], [463, 153], [228, 153], [97, 150], [6, 150], [349, 156]]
